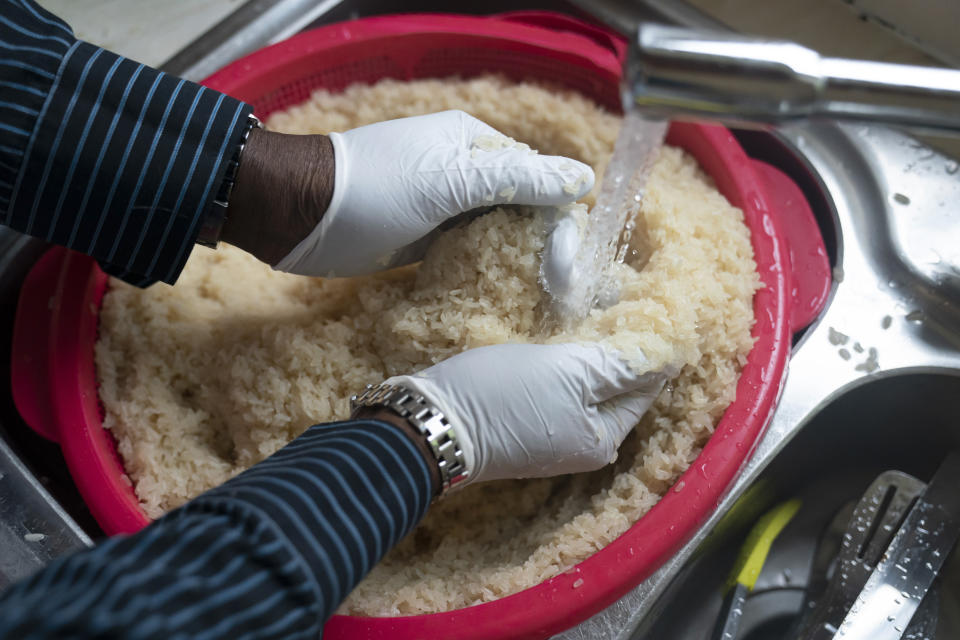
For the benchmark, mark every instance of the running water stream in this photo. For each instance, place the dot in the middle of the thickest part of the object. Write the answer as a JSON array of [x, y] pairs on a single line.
[[611, 223]]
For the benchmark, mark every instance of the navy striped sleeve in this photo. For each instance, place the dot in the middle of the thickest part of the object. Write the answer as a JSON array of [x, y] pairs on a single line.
[[105, 155], [270, 554]]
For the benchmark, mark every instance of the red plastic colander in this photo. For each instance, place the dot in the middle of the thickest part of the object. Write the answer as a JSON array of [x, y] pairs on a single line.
[[54, 380]]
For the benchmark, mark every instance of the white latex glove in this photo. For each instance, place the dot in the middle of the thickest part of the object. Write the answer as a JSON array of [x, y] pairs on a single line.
[[525, 411], [398, 180]]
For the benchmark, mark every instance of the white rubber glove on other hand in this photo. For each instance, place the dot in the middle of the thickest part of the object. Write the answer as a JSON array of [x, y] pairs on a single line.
[[526, 411], [396, 181]]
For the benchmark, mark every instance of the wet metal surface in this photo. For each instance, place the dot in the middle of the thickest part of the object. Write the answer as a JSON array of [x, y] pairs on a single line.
[[892, 312], [908, 568], [34, 529], [34, 526], [905, 422]]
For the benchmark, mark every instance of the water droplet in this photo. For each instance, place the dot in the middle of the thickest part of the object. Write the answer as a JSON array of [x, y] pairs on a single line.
[[951, 167], [837, 338]]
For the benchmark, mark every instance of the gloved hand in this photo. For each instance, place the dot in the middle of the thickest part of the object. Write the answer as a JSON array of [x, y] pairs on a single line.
[[398, 180], [525, 411]]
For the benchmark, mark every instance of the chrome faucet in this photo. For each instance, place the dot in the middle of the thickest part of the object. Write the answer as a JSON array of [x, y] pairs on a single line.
[[741, 80]]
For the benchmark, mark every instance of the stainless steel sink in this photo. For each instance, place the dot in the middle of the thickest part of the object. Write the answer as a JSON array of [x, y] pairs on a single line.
[[872, 383], [906, 422], [36, 492]]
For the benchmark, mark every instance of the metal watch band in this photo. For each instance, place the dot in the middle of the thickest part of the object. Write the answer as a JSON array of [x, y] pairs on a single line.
[[212, 227], [427, 419]]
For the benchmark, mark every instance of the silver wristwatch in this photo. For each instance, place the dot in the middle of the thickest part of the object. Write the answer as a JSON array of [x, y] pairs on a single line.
[[428, 420]]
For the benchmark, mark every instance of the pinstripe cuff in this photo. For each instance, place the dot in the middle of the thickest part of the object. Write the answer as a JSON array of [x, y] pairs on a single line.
[[124, 162], [32, 45], [343, 494]]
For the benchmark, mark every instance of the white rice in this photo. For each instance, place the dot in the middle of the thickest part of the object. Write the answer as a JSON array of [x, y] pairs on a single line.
[[201, 380]]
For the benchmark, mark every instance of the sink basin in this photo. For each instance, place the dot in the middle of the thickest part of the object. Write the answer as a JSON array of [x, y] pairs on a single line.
[[906, 422]]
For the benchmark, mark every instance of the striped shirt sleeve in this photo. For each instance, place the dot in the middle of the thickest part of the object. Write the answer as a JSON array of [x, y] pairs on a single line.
[[269, 554], [105, 155]]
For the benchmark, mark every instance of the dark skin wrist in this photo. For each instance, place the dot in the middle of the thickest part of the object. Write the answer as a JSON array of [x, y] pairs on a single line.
[[283, 187], [385, 415]]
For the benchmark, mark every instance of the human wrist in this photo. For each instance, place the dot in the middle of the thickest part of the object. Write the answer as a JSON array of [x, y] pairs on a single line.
[[283, 187], [382, 414]]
